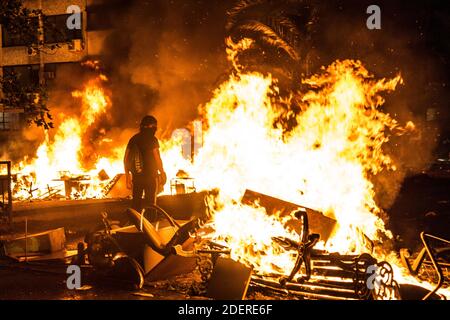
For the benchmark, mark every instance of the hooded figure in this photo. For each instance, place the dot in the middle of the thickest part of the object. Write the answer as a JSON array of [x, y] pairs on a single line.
[[143, 165]]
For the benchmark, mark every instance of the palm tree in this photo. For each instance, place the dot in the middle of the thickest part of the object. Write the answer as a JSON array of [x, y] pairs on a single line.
[[280, 30]]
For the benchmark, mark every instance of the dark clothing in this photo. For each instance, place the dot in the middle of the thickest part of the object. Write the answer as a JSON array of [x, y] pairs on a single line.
[[146, 142], [146, 186], [145, 180]]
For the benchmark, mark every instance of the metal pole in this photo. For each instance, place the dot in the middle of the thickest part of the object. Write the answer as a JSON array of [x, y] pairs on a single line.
[[41, 45], [26, 240]]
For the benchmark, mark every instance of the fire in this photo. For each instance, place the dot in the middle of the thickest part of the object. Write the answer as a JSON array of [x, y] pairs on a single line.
[[324, 162], [58, 157], [248, 232], [94, 102], [233, 49]]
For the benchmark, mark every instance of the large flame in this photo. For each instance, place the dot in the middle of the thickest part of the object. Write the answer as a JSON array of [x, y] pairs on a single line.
[[59, 157], [323, 161]]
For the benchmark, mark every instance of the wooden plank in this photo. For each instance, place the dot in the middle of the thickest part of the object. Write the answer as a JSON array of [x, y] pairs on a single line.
[[318, 223], [184, 206], [229, 280]]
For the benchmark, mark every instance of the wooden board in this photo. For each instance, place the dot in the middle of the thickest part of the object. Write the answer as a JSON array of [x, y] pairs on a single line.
[[183, 206], [229, 280], [318, 223]]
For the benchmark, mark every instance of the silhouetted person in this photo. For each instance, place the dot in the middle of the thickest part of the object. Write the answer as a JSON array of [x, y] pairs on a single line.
[[143, 164]]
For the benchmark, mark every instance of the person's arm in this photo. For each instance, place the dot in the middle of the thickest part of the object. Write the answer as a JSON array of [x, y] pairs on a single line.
[[127, 169], [159, 164]]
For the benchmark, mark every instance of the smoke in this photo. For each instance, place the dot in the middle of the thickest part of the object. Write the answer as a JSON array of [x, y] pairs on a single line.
[[164, 58], [406, 44], [161, 57], [24, 143]]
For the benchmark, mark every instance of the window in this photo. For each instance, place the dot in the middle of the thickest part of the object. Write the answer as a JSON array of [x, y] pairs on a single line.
[[50, 72], [14, 38], [27, 75], [9, 121], [102, 16], [55, 29]]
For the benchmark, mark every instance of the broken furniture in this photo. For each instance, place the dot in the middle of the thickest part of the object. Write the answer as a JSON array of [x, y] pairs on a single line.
[[431, 263], [335, 277], [146, 245], [182, 183], [303, 248], [317, 274], [117, 187], [72, 183], [38, 246]]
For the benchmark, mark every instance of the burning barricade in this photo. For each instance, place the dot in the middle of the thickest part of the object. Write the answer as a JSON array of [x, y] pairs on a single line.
[[294, 265], [323, 159]]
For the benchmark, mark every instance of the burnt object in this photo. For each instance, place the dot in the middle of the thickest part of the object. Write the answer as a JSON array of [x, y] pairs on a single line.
[[153, 239], [36, 244], [110, 261], [117, 187], [142, 250], [337, 277], [303, 248], [102, 175], [72, 184]]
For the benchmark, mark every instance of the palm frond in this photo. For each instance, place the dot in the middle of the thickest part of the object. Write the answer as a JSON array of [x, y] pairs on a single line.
[[245, 9], [285, 28], [267, 35]]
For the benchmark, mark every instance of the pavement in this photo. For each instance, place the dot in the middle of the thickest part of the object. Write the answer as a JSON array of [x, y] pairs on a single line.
[[27, 283]]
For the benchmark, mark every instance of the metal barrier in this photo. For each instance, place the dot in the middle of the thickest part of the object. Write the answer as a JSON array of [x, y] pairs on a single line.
[[429, 258]]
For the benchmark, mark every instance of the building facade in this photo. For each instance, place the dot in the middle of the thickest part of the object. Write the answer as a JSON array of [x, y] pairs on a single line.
[[68, 46]]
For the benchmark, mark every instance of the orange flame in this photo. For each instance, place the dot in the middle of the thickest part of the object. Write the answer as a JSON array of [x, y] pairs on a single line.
[[58, 157], [323, 162]]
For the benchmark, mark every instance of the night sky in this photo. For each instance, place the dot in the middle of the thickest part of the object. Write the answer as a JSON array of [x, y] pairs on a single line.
[[183, 42]]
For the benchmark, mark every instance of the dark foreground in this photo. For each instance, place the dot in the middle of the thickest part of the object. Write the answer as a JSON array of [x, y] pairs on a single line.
[[422, 205]]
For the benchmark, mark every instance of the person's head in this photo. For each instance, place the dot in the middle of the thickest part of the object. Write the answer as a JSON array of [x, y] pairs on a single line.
[[149, 123]]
